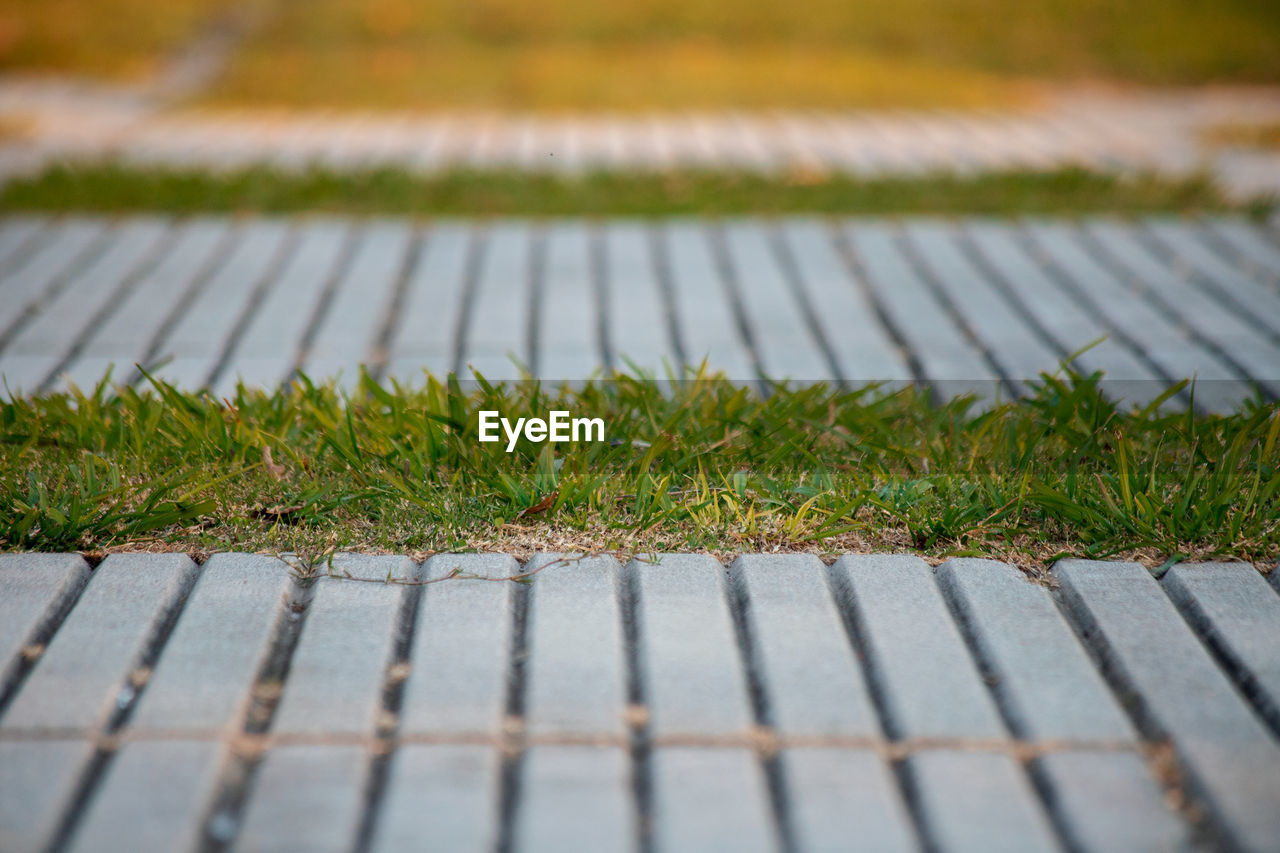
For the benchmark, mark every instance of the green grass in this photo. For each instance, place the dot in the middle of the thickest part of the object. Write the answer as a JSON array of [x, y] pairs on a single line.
[[701, 464], [462, 193]]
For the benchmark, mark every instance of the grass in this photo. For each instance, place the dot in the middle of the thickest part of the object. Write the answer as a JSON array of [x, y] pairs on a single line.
[[122, 39], [644, 54], [463, 193], [698, 464], [641, 54]]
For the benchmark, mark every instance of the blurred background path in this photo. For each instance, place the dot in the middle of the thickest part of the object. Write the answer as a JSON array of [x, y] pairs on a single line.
[[933, 85]]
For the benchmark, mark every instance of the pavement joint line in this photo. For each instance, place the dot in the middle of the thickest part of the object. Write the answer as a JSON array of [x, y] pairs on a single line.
[[761, 739]]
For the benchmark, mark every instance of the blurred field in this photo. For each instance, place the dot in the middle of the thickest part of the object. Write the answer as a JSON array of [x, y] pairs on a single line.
[[120, 39], [663, 53]]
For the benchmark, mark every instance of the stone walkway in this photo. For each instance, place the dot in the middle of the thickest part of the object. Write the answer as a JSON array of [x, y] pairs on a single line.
[[966, 306], [666, 705], [1163, 132]]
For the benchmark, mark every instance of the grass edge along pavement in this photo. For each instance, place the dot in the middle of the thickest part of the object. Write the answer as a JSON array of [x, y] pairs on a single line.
[[118, 188], [697, 464]]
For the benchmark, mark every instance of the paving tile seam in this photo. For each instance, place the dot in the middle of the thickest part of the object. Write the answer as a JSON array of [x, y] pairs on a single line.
[[764, 740]]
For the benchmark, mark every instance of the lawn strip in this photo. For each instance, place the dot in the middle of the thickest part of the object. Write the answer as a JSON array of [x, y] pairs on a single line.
[[702, 465], [393, 191]]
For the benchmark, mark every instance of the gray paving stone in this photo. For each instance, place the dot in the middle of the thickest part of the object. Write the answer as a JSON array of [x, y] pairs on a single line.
[[123, 337], [82, 674], [576, 669], [845, 799], [40, 344], [1109, 802], [1228, 754], [153, 797], [70, 245], [349, 333], [810, 674], [863, 350], [926, 676], [265, 351], [1200, 311], [944, 354], [37, 780], [338, 668], [1167, 345], [189, 349], [446, 793], [458, 678], [1013, 344], [568, 340], [1049, 688], [1230, 607], [425, 335], [498, 322], [36, 590], [213, 655], [1253, 300], [981, 802], [575, 798], [786, 345], [20, 235], [710, 799], [305, 798], [1250, 242], [636, 314], [692, 671], [703, 312], [1072, 326]]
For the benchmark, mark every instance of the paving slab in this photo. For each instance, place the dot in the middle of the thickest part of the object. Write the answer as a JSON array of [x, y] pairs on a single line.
[[189, 350], [305, 798], [458, 675], [844, 796], [1229, 606], [576, 669], [37, 780], [153, 797], [207, 669], [1108, 802], [425, 333], [495, 336], [1045, 681], [36, 592], [947, 357], [973, 801], [917, 658], [81, 678], [338, 670], [445, 792], [693, 679], [1150, 652], [575, 798], [606, 707], [804, 660], [709, 799], [861, 301]]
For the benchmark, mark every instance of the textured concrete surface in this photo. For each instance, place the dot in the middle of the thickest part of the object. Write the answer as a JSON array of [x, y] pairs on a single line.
[[673, 703], [976, 306]]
